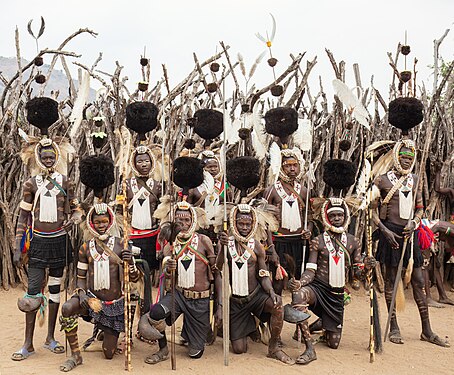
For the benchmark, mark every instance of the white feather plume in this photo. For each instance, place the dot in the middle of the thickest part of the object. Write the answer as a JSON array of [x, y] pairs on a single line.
[[208, 181], [258, 146], [350, 100], [302, 138], [222, 158], [275, 162], [23, 135], [79, 104], [363, 180], [231, 131]]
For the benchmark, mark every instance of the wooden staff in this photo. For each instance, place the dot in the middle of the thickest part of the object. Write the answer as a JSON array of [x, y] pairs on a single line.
[[369, 273], [225, 268], [127, 291]]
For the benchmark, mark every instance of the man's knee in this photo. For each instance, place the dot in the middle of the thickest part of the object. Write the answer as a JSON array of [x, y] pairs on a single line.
[[333, 339], [417, 280], [159, 312], [239, 346]]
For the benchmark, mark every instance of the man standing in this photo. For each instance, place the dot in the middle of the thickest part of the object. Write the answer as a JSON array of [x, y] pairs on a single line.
[[48, 209], [252, 291], [398, 217]]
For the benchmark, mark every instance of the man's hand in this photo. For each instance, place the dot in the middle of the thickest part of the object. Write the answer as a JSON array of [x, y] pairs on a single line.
[[83, 299], [277, 299], [218, 316], [171, 265], [369, 262], [409, 228], [67, 224], [306, 234], [294, 284], [392, 238], [223, 239], [126, 255]]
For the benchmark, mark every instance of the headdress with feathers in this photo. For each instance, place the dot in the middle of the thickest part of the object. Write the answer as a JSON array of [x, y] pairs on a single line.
[[42, 112]]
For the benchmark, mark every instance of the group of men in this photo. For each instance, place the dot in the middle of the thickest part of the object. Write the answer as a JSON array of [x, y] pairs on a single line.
[[312, 261]]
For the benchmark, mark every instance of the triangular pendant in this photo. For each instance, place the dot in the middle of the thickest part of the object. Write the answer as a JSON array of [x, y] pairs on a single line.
[[336, 259], [290, 203], [186, 263], [239, 264], [47, 193], [405, 193], [140, 200]]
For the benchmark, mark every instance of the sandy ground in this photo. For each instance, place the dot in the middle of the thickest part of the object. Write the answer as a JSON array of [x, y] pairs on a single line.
[[352, 357]]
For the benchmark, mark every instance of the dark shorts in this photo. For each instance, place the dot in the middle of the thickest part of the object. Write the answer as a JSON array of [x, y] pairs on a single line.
[[242, 311], [49, 252], [36, 278], [293, 246], [196, 323], [148, 250], [329, 305], [390, 257]]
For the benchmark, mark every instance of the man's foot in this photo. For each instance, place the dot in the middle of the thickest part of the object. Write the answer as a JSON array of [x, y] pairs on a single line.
[[55, 347], [70, 363], [159, 356], [22, 353], [307, 357], [195, 353], [281, 356], [446, 301], [295, 335], [433, 303], [320, 339], [395, 337], [435, 339]]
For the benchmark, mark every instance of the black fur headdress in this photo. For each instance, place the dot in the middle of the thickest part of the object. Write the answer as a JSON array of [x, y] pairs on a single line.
[[208, 123], [187, 173], [141, 117], [339, 174], [281, 122], [97, 173], [42, 112], [405, 113], [243, 172]]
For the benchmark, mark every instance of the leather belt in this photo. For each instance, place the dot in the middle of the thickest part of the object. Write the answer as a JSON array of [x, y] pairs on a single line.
[[193, 294]]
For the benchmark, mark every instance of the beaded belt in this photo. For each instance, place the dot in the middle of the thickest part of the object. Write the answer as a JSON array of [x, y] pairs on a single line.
[[193, 294]]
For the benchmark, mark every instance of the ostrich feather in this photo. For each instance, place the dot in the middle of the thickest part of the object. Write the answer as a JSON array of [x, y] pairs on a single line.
[[208, 181], [302, 138], [364, 178], [79, 104], [231, 132], [275, 163], [222, 158], [23, 135], [258, 146], [352, 103]]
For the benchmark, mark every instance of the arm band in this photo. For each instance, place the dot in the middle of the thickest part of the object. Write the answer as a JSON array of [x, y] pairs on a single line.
[[311, 266], [26, 206], [264, 273], [82, 266]]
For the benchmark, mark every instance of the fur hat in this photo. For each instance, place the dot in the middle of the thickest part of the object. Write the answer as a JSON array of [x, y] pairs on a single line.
[[187, 173], [141, 117], [97, 173], [405, 113], [281, 122], [243, 172], [339, 174], [42, 112], [209, 123]]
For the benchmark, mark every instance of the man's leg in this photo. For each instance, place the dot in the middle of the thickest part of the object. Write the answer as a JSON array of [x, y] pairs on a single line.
[[301, 300], [390, 279], [35, 281], [158, 315], [333, 339], [109, 344], [69, 322], [417, 283], [55, 277]]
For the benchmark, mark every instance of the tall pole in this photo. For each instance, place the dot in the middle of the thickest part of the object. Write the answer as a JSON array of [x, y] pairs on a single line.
[[127, 290], [225, 268], [369, 273]]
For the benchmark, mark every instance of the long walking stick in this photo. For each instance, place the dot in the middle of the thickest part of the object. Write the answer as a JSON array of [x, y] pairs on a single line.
[[127, 287], [225, 268], [306, 211]]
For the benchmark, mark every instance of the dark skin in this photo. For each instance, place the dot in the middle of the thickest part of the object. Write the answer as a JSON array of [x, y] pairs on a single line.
[[30, 188], [303, 295], [78, 304], [202, 271], [448, 192], [143, 165], [446, 235], [417, 279], [273, 304]]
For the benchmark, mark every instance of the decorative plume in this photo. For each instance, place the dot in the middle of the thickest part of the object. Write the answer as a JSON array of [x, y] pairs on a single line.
[[42, 112], [243, 172], [78, 108], [302, 138], [268, 40], [339, 174], [275, 162], [405, 113], [353, 104], [97, 173]]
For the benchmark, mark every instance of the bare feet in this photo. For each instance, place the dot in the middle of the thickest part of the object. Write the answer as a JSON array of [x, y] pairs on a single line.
[[432, 303], [446, 301], [307, 357]]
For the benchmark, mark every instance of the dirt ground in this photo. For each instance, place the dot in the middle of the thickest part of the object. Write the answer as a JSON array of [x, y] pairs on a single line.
[[352, 357]]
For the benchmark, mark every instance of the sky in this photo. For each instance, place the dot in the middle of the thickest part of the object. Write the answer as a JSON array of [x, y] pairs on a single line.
[[356, 31]]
